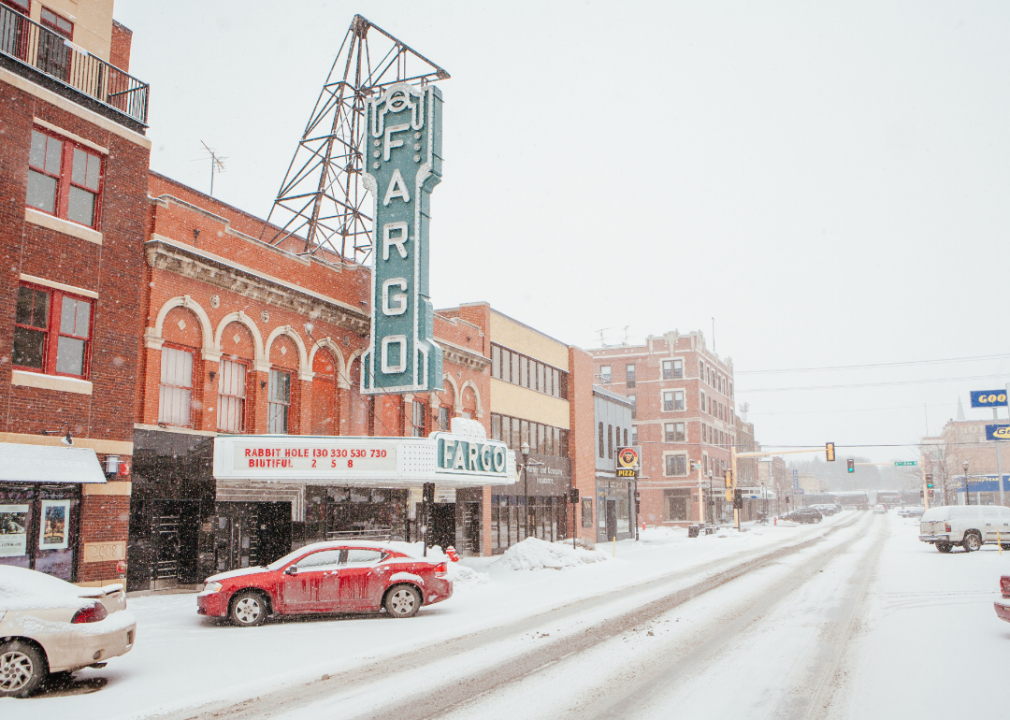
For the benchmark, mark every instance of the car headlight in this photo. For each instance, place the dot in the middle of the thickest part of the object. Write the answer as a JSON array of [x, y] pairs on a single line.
[[212, 587]]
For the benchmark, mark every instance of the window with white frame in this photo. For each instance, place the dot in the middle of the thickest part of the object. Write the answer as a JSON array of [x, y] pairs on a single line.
[[175, 402], [675, 465], [673, 400], [605, 373], [673, 369], [629, 371], [673, 432], [279, 402], [704, 407], [231, 397]]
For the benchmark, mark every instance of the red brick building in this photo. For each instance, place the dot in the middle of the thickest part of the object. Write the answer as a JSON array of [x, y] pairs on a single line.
[[242, 337], [73, 202], [683, 418]]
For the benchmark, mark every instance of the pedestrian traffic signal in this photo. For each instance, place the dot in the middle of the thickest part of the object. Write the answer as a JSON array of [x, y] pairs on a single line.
[[851, 464], [829, 450], [729, 478], [929, 480]]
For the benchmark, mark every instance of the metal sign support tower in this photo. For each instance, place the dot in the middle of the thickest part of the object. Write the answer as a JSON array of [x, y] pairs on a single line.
[[322, 207]]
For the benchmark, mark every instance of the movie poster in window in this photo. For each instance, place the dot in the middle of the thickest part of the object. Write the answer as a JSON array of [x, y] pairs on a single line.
[[13, 530], [55, 530]]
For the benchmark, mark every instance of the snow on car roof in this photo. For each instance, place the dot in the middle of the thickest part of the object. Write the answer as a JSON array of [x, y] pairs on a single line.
[[23, 589], [415, 551]]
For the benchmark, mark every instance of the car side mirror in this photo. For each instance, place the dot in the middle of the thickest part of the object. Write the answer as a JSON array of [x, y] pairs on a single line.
[[291, 570]]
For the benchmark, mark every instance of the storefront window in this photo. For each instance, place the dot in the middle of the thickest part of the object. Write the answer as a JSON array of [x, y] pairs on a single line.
[[38, 527]]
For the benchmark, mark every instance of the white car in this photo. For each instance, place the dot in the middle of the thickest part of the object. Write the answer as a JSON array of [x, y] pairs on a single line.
[[880, 509], [48, 626], [969, 526]]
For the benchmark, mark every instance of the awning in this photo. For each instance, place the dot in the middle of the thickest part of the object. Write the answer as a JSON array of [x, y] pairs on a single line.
[[45, 463]]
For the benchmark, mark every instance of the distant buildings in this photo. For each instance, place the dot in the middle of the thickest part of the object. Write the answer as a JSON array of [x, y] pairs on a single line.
[[944, 456], [683, 403]]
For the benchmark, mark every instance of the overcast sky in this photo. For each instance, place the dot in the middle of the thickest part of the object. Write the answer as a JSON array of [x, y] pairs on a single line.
[[829, 181]]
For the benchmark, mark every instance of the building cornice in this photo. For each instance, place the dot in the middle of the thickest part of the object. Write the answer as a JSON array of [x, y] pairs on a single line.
[[461, 356], [164, 254]]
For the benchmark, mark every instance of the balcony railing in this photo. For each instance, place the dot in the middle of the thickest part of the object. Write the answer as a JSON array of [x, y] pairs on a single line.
[[33, 46]]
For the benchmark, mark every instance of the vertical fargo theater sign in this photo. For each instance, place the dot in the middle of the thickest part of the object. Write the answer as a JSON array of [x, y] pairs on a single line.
[[403, 162]]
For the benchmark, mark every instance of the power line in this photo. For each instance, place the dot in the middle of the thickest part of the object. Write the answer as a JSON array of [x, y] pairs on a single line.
[[879, 384], [871, 409], [872, 365]]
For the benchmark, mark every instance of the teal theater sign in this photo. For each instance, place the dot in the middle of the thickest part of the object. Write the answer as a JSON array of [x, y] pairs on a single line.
[[403, 165]]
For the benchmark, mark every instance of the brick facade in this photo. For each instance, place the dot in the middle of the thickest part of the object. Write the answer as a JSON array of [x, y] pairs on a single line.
[[101, 264], [697, 400]]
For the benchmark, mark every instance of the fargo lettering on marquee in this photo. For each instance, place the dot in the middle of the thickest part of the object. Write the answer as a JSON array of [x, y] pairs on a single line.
[[471, 455], [403, 164]]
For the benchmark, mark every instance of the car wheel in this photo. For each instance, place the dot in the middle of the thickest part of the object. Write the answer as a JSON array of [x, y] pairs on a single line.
[[248, 609], [402, 601], [943, 547], [22, 668], [971, 542]]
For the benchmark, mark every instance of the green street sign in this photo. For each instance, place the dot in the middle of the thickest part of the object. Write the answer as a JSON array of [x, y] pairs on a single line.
[[906, 463], [403, 161]]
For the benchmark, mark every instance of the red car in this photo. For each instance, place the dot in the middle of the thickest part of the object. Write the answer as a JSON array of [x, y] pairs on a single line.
[[1003, 608], [330, 577]]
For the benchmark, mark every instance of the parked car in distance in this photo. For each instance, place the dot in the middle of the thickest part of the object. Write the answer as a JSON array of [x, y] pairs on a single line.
[[1003, 608], [879, 509], [827, 509], [911, 511], [48, 625], [329, 577], [804, 515], [967, 526]]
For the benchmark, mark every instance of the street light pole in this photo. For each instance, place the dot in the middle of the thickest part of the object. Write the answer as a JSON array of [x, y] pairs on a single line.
[[525, 450], [967, 495]]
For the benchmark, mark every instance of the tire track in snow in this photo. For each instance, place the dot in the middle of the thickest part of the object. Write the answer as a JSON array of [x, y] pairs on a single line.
[[434, 701]]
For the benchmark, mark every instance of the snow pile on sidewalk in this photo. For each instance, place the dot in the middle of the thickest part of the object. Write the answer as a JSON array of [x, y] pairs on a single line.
[[534, 554], [463, 577]]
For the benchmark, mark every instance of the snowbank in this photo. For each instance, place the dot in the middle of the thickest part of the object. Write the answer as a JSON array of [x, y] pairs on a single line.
[[462, 576], [534, 554]]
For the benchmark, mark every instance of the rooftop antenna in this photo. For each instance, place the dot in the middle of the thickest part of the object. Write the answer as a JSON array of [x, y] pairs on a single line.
[[216, 165], [603, 342], [744, 408], [626, 334], [322, 207]]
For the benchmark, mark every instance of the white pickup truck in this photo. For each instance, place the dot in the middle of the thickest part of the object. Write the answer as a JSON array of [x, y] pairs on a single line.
[[969, 526]]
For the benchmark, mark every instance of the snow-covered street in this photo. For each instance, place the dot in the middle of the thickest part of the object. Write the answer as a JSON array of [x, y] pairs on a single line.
[[849, 618]]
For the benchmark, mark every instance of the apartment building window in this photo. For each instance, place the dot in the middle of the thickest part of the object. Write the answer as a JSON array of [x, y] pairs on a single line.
[[731, 389], [52, 332], [629, 370], [175, 401], [279, 402], [634, 434], [231, 397], [605, 376], [673, 432], [673, 400], [634, 406], [419, 420], [676, 465], [701, 370], [704, 432], [64, 179], [704, 405], [673, 369]]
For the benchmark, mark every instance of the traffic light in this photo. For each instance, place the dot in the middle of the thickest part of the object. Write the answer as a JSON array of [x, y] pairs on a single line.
[[573, 495], [929, 480], [922, 494], [738, 499], [851, 464], [829, 450], [729, 478]]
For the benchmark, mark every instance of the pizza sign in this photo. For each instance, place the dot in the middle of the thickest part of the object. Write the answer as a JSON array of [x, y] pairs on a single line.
[[628, 462]]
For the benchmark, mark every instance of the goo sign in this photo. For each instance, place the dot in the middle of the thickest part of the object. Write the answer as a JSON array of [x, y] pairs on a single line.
[[402, 157]]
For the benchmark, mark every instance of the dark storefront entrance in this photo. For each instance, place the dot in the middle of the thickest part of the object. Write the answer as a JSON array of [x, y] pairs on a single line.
[[614, 517], [247, 534], [547, 483]]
